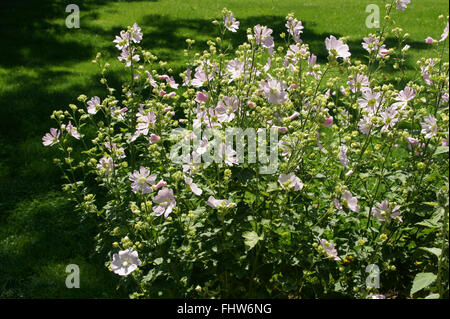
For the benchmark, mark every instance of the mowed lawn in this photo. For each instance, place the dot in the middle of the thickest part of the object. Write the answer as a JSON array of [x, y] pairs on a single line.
[[44, 66]]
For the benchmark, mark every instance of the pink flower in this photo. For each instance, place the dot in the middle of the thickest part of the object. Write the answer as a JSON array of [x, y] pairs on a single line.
[[166, 202], [404, 96], [444, 34], [429, 126], [144, 123], [201, 97], [330, 250], [328, 122], [142, 181], [93, 105], [294, 28], [429, 40], [72, 131], [219, 203], [136, 34], [383, 211], [154, 138], [274, 91], [290, 182], [337, 48], [230, 22], [402, 4], [128, 56], [370, 100], [263, 37], [350, 202], [358, 83], [192, 186], [389, 118], [125, 262], [225, 111], [118, 152], [169, 80], [235, 68], [107, 164], [343, 156], [123, 41], [51, 138]]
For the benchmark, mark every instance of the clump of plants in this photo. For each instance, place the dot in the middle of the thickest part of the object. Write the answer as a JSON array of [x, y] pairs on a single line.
[[262, 173]]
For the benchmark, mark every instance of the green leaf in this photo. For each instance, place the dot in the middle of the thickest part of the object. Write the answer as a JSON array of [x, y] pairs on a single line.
[[422, 280], [251, 238], [435, 251], [432, 296], [441, 150]]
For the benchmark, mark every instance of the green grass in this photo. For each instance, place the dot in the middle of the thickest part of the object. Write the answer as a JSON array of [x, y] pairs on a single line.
[[44, 65]]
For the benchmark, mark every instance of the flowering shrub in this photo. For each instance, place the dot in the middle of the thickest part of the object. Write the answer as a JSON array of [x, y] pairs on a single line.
[[359, 177]]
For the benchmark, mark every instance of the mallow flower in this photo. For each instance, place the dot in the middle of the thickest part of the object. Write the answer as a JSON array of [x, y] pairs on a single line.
[[337, 47], [166, 201], [329, 248], [383, 211], [230, 22], [142, 181], [290, 181], [350, 201], [125, 262], [51, 138]]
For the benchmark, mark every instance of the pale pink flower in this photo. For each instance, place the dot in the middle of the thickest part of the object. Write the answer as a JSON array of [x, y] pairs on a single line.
[[142, 181], [274, 91], [166, 202], [444, 34], [106, 163], [123, 41], [402, 4], [377, 296], [295, 28], [290, 181], [235, 68], [93, 105], [263, 37], [136, 34], [192, 186], [119, 152], [329, 249], [343, 156], [383, 210], [125, 262], [389, 118], [144, 123], [51, 138], [230, 22], [170, 81], [72, 131], [370, 101], [350, 201], [403, 97], [359, 83], [290, 60], [219, 203], [429, 126], [365, 124], [128, 56], [225, 110], [337, 48]]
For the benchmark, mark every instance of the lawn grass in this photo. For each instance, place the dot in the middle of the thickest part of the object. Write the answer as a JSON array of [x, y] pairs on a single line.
[[44, 65]]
